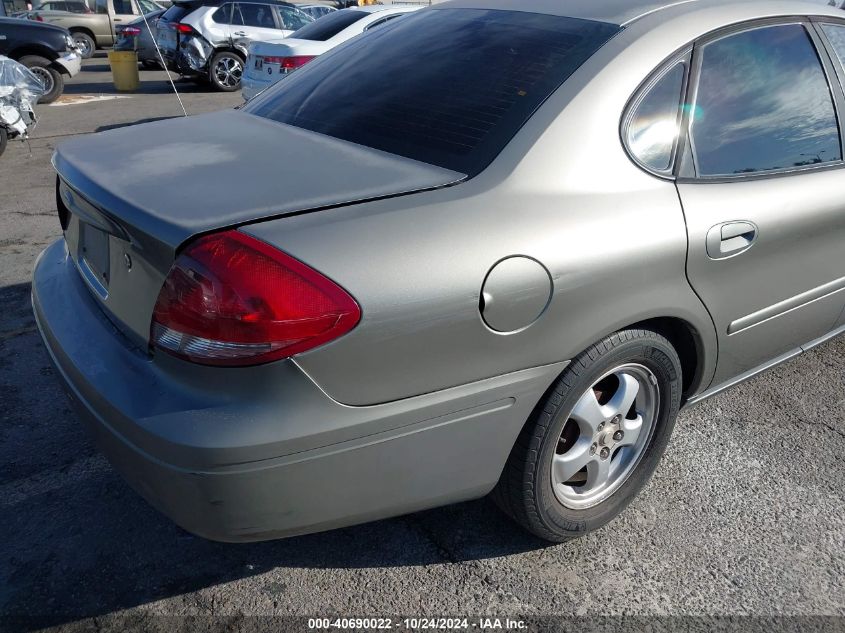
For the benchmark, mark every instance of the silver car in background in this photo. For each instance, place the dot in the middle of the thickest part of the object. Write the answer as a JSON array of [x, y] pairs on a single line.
[[549, 226]]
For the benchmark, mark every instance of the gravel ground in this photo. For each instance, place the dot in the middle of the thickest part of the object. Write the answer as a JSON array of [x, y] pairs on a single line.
[[745, 516]]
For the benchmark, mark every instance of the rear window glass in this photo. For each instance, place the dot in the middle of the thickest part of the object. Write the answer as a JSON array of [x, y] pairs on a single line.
[[178, 11], [329, 26], [483, 74]]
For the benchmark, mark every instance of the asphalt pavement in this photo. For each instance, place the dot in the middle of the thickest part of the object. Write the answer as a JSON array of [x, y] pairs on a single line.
[[745, 516]]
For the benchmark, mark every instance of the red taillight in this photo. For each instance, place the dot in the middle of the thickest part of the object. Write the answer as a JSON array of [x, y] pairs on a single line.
[[131, 30], [289, 63], [38, 18], [183, 28], [231, 299]]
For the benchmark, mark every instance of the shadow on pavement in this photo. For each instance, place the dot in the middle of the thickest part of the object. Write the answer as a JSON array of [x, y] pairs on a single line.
[[78, 542], [147, 87]]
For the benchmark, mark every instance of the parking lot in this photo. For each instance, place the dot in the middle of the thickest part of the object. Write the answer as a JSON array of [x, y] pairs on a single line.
[[745, 516]]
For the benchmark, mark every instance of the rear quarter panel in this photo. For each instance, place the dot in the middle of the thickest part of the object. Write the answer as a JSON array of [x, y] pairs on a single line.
[[563, 192]]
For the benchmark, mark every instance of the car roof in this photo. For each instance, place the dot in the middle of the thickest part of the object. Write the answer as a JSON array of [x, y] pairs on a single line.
[[620, 12]]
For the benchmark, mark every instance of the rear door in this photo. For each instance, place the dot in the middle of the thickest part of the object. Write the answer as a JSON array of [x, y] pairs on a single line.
[[832, 34], [762, 190]]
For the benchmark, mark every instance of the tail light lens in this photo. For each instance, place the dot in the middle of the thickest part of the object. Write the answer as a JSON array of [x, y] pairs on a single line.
[[230, 299], [289, 63], [183, 28], [130, 30]]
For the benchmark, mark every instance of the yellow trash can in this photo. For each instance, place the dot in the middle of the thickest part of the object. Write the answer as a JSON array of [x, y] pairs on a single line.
[[124, 70]]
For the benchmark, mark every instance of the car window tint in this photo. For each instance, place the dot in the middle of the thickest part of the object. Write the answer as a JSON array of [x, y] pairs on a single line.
[[292, 19], [222, 15], [122, 7], [257, 15], [485, 73], [330, 25], [102, 7], [836, 36], [763, 103], [655, 121], [147, 6], [176, 12]]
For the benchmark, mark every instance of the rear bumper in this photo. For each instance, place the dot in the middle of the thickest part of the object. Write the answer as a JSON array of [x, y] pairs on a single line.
[[257, 453], [71, 63]]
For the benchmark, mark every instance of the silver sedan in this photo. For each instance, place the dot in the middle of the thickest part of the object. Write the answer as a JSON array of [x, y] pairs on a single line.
[[494, 246]]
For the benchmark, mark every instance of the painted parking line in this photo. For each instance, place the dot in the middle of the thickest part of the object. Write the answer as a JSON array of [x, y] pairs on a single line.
[[66, 100]]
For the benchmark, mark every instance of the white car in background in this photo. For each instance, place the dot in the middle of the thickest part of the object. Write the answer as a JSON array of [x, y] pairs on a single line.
[[270, 61], [316, 11]]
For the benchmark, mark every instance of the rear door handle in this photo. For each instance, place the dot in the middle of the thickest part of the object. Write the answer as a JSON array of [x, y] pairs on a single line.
[[240, 33], [730, 238]]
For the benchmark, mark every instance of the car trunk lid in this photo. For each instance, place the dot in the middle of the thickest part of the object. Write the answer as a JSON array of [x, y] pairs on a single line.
[[132, 197]]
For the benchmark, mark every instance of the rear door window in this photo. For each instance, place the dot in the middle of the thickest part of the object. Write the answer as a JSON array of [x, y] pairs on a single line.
[[763, 104], [484, 74], [223, 15], [257, 15], [328, 26]]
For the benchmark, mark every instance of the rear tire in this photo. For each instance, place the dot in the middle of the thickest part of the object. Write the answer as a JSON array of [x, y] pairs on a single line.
[[52, 78], [85, 43], [571, 472], [225, 71], [150, 65], [4, 139]]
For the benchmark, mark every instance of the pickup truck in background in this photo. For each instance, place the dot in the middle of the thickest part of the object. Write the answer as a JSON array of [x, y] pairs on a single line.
[[47, 50], [91, 31]]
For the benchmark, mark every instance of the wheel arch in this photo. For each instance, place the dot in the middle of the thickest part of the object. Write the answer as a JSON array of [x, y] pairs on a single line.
[[86, 30], [695, 350], [229, 49], [33, 49], [689, 345]]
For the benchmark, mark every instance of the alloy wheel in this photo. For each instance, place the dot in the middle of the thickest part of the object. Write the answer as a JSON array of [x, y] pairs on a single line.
[[228, 71], [83, 44], [605, 436]]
